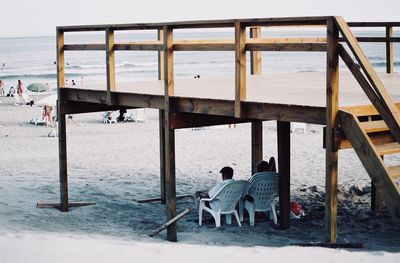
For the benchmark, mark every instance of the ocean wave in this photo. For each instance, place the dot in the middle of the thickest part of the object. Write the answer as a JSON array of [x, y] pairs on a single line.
[[383, 64], [43, 75]]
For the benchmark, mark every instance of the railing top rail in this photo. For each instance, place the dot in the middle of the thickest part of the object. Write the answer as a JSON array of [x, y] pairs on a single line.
[[283, 21], [374, 24]]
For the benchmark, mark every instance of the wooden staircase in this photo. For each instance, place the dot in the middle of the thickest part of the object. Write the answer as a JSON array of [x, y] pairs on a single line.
[[372, 139], [373, 130]]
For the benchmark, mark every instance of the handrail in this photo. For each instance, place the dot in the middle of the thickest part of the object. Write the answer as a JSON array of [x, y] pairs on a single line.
[[253, 45], [373, 86]]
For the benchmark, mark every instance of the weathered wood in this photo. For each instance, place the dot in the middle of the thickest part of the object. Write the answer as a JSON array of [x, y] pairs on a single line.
[[251, 110], [388, 148], [372, 162], [171, 221], [282, 21], [179, 120], [160, 37], [85, 47], [394, 172], [62, 159], [376, 138], [60, 60], [72, 107], [364, 110], [110, 65], [58, 206], [283, 130], [373, 39], [256, 144], [389, 112], [240, 67], [389, 50], [204, 47], [170, 185], [373, 24], [168, 64], [156, 199], [150, 46], [287, 40], [318, 47], [376, 200], [255, 56], [332, 103], [161, 120]]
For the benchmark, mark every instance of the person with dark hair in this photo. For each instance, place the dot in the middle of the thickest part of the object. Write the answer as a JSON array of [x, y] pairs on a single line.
[[264, 166], [227, 175]]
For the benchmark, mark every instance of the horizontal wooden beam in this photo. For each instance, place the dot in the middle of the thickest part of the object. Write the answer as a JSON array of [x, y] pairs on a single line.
[[151, 46], [373, 24], [319, 47], [373, 39], [72, 107], [251, 110], [85, 47]]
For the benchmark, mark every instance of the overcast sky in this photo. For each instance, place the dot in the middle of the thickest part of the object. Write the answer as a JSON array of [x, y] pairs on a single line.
[[40, 17]]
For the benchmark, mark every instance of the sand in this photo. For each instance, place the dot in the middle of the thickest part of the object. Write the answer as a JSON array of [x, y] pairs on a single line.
[[116, 164]]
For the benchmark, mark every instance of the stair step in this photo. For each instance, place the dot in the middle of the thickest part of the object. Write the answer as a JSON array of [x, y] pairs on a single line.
[[374, 126], [394, 172], [388, 148]]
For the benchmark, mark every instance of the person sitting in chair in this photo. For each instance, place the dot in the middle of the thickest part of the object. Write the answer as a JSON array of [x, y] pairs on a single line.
[[227, 175]]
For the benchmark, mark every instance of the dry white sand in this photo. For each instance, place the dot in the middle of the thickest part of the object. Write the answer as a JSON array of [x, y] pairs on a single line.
[[115, 164]]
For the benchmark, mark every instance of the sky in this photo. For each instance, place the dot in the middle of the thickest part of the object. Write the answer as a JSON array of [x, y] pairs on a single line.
[[40, 17]]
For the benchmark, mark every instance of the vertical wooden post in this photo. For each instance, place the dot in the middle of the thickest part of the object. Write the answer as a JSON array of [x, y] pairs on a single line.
[[389, 50], [256, 144], [332, 95], [255, 56], [62, 135], [160, 36], [283, 129], [376, 199], [110, 64], [162, 154], [240, 66], [170, 187]]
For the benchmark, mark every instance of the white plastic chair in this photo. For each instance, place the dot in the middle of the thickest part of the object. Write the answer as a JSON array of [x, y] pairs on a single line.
[[262, 190], [108, 117], [223, 203]]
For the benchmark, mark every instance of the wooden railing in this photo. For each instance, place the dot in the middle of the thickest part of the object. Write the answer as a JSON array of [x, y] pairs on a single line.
[[165, 45]]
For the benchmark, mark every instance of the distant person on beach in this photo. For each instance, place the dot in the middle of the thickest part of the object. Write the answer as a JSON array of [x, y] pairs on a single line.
[[121, 116], [2, 93], [11, 92], [20, 88], [21, 94], [227, 175], [47, 114], [73, 83]]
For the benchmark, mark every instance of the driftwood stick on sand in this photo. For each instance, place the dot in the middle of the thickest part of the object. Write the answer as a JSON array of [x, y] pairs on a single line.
[[155, 199], [329, 245], [172, 220]]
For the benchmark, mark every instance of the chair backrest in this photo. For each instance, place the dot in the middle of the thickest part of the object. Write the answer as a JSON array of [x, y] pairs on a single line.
[[264, 189], [230, 194], [260, 174]]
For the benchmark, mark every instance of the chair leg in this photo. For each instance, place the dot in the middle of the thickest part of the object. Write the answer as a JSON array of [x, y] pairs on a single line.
[[252, 214], [200, 214], [237, 218], [228, 218], [217, 218], [241, 210], [274, 217]]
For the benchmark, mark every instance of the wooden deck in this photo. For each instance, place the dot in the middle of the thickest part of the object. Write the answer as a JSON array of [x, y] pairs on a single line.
[[310, 97], [302, 95]]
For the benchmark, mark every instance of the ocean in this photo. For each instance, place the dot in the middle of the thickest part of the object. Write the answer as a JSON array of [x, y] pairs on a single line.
[[32, 59]]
